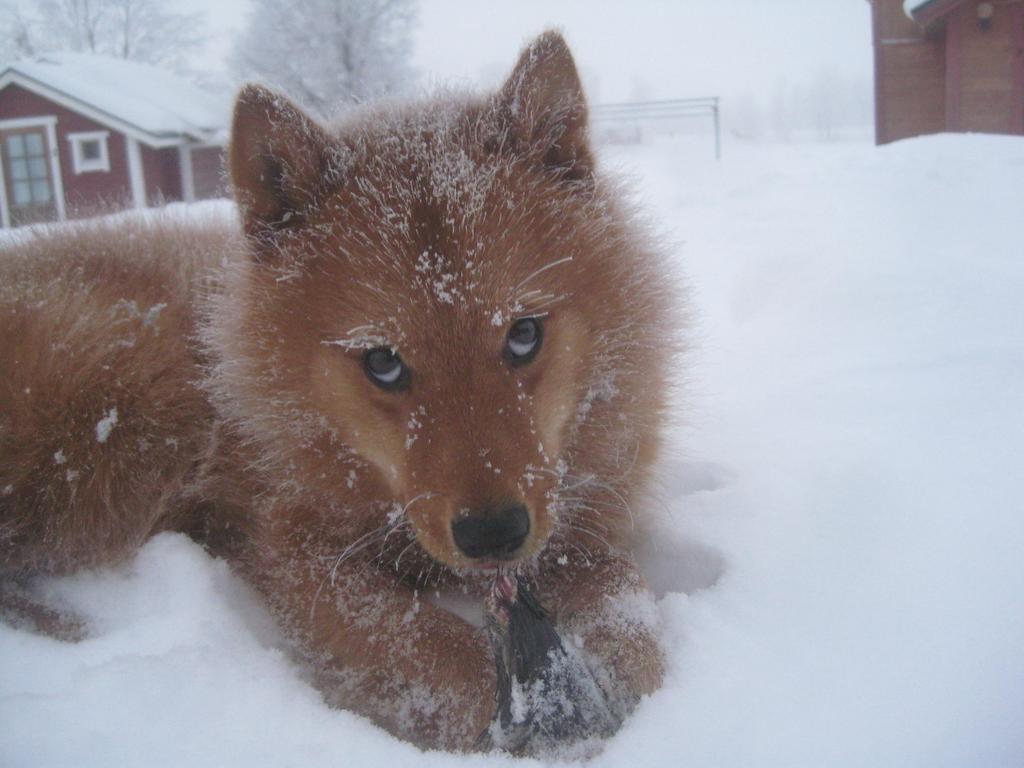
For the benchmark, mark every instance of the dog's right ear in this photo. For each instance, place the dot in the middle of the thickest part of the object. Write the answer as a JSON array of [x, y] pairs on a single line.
[[278, 158], [544, 107]]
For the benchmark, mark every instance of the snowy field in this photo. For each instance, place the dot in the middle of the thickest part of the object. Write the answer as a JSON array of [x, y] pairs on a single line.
[[840, 557]]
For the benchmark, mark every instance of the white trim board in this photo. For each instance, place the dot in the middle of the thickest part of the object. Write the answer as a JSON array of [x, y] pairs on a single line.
[[27, 122], [188, 181], [136, 172], [5, 214]]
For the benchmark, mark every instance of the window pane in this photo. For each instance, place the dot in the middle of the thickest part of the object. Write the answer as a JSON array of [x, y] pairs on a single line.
[[16, 145], [91, 149], [22, 193], [36, 167], [41, 191], [34, 143], [19, 169]]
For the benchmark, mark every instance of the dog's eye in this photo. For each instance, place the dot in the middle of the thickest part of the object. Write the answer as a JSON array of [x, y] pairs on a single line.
[[385, 368], [523, 340]]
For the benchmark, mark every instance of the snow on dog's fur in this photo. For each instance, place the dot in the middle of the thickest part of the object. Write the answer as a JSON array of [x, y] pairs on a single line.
[[434, 314]]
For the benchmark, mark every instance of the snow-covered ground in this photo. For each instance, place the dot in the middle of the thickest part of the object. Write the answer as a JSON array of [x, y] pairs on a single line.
[[840, 558]]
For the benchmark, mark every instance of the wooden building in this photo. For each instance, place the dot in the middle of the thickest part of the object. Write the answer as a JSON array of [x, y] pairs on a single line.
[[82, 134], [948, 65]]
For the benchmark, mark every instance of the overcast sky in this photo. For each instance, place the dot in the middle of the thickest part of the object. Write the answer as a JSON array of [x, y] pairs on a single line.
[[629, 50]]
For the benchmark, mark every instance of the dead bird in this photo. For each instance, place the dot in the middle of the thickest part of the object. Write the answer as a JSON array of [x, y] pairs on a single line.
[[547, 696]]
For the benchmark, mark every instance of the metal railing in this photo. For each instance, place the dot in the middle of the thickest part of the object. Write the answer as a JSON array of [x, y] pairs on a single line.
[[674, 109]]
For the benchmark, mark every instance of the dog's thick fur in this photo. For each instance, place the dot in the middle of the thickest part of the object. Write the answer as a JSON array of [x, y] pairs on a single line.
[[187, 376]]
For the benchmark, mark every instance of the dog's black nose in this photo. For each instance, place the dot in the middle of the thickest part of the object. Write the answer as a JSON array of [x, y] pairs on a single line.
[[496, 532]]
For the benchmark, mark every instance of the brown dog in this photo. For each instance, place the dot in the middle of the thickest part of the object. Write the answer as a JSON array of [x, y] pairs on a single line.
[[439, 343]]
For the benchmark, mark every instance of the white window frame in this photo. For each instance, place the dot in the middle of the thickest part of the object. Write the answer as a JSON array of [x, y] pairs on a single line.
[[49, 124], [81, 164]]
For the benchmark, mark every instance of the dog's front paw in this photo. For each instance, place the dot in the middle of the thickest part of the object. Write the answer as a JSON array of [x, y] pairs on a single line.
[[20, 609], [618, 635]]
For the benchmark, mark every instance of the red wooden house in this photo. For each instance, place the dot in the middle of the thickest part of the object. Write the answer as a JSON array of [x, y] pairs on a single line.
[[82, 134], [948, 65]]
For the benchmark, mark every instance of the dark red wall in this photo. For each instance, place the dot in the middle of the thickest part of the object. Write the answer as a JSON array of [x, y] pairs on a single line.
[[910, 75], [983, 95], [87, 193], [208, 173], [163, 174], [953, 76]]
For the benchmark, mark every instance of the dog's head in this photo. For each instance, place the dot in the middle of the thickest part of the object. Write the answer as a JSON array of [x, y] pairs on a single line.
[[436, 297]]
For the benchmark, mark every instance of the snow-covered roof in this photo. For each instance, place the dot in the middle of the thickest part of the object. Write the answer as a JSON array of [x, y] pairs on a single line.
[[910, 7], [163, 107]]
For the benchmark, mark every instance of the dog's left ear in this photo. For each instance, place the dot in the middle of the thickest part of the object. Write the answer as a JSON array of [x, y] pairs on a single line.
[[544, 107]]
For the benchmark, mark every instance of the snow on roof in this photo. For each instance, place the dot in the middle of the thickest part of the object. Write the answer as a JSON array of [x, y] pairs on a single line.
[[147, 98], [909, 6]]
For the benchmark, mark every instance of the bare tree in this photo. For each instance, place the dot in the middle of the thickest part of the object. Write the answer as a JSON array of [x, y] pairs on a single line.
[[16, 36], [146, 30], [75, 25], [328, 54], [139, 30]]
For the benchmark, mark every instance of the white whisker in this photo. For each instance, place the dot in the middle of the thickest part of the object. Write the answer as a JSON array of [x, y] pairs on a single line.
[[545, 268]]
